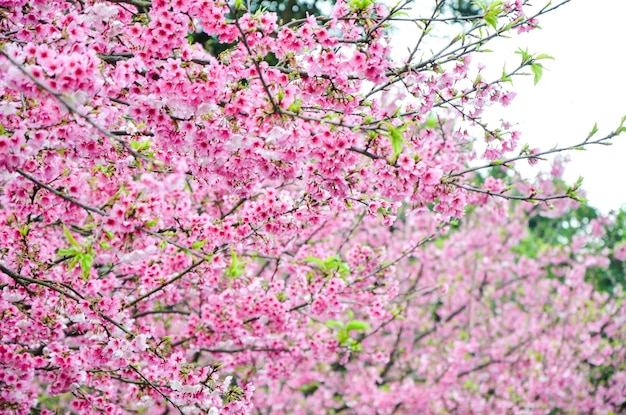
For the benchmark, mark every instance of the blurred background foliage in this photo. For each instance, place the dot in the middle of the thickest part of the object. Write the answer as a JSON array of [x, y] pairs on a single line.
[[547, 231]]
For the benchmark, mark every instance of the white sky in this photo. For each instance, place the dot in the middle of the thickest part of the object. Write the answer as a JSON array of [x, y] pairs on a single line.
[[584, 84]]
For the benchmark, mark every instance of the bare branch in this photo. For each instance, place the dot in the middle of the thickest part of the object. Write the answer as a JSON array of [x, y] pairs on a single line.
[[601, 141]]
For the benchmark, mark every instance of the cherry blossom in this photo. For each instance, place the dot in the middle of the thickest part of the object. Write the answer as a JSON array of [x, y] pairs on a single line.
[[298, 225]]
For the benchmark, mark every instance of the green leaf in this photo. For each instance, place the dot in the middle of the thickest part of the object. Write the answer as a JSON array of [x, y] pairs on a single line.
[[235, 269], [357, 325], [68, 252], [578, 183], [198, 244], [526, 57], [432, 121], [295, 106], [360, 4], [621, 128], [69, 237], [152, 222], [491, 12], [85, 261], [24, 230], [73, 262], [334, 324], [343, 336], [593, 131], [395, 135], [537, 70], [140, 145], [505, 77], [468, 384], [492, 20], [543, 56], [330, 265], [309, 388], [315, 260]]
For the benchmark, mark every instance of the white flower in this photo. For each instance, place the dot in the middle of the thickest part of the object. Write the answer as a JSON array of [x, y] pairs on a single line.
[[206, 108], [137, 255], [12, 296], [77, 318], [145, 402], [8, 108], [102, 11], [227, 381], [140, 342], [276, 134], [176, 385], [192, 388]]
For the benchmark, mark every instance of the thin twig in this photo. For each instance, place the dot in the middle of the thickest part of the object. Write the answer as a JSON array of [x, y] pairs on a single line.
[[171, 242], [165, 284], [275, 108], [586, 142], [530, 198], [153, 386]]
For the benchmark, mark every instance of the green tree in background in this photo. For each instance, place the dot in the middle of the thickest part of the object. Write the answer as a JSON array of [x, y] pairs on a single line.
[[547, 233], [462, 8], [614, 240]]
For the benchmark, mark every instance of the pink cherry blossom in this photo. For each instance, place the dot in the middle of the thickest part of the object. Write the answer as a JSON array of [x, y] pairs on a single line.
[[189, 233]]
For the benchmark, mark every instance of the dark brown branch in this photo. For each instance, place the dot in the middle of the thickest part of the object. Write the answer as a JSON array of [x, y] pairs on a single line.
[[530, 198], [141, 5], [245, 349], [53, 286], [115, 57], [174, 243], [61, 195], [165, 284], [44, 283], [153, 312], [234, 208], [365, 153]]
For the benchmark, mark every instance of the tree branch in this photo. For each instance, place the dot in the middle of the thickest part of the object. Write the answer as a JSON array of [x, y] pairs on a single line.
[[61, 195]]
